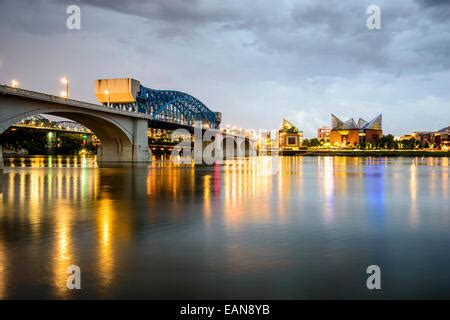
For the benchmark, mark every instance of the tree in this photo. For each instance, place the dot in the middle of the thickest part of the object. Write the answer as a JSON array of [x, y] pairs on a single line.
[[408, 144], [306, 143], [314, 142], [386, 142], [361, 145], [34, 141], [70, 144]]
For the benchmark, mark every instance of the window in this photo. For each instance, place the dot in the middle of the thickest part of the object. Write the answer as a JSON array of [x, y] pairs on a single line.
[[292, 141]]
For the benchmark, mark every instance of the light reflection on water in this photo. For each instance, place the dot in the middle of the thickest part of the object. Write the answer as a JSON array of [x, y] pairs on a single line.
[[225, 231]]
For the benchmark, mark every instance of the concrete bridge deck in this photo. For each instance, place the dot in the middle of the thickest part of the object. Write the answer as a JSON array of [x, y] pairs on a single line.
[[7, 90], [123, 134]]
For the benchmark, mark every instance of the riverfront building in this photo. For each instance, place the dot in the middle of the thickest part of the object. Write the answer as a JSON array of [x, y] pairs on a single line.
[[351, 133], [289, 137], [323, 133], [435, 139]]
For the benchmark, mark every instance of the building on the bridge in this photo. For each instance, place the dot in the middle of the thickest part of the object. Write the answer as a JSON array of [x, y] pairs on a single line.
[[351, 133], [121, 91], [169, 109], [323, 133], [289, 137]]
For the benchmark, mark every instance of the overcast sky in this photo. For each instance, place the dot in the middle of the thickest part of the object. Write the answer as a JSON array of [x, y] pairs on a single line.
[[255, 61]]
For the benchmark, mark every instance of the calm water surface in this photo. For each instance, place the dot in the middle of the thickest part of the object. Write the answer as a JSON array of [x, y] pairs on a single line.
[[226, 231]]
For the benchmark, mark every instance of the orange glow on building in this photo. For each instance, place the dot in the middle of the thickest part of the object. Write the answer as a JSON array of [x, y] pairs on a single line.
[[351, 133], [289, 137]]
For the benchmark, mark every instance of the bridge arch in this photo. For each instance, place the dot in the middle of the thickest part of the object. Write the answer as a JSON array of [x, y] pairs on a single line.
[[123, 138]]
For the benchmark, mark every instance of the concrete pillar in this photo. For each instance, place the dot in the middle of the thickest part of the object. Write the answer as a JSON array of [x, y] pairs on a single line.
[[119, 148], [208, 147], [253, 149], [240, 145], [200, 156], [141, 151], [198, 145]]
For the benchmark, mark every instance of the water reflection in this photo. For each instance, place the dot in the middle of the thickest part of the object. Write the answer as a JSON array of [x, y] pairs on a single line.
[[414, 217], [327, 181], [375, 192], [105, 226], [63, 251], [171, 230], [3, 269]]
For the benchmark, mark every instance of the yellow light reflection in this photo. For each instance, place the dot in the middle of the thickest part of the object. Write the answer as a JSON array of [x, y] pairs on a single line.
[[207, 198], [63, 254], [3, 269], [413, 188], [328, 187], [105, 246]]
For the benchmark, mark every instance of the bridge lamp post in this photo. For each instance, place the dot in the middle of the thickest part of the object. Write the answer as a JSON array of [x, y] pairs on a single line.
[[107, 97], [14, 83], [65, 80]]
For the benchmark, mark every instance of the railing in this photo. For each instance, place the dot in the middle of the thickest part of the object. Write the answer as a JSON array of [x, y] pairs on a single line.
[[53, 128], [4, 89]]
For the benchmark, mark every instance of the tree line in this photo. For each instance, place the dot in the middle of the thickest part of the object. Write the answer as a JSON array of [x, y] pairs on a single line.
[[37, 142], [385, 142]]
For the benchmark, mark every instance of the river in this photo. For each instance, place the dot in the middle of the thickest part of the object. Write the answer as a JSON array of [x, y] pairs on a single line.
[[239, 230]]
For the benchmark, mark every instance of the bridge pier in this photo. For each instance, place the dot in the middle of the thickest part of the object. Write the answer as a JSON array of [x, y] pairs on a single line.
[[114, 149], [123, 134], [213, 146], [141, 151]]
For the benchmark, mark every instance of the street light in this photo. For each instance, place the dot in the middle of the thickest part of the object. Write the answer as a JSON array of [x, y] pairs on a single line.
[[65, 80], [14, 83], [108, 97], [63, 94]]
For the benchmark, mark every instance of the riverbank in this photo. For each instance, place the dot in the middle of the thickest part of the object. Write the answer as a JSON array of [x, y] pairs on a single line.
[[312, 153], [369, 153]]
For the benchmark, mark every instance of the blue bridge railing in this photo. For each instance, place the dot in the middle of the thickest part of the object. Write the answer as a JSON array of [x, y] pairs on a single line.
[[173, 107]]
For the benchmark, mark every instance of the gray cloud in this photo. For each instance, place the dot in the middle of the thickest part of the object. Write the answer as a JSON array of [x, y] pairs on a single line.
[[434, 3], [300, 59], [306, 33]]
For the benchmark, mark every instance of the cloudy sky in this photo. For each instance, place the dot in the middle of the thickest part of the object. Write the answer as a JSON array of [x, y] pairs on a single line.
[[256, 61]]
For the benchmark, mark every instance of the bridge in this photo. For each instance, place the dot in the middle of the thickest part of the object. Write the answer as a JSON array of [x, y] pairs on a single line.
[[40, 123], [121, 123], [165, 106]]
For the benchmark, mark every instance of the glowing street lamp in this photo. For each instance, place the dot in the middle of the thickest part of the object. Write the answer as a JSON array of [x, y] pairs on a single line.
[[63, 94], [108, 96], [14, 83], [65, 81]]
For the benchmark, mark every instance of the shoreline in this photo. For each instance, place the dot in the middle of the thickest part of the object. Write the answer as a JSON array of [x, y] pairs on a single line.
[[306, 153], [368, 153]]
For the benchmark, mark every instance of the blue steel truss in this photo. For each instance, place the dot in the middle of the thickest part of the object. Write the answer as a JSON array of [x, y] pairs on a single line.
[[175, 107]]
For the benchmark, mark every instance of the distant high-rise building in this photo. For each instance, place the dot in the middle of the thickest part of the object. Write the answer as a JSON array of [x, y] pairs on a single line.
[[353, 133], [323, 133]]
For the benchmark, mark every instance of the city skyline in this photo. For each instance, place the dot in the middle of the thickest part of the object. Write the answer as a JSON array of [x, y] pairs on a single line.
[[300, 60]]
